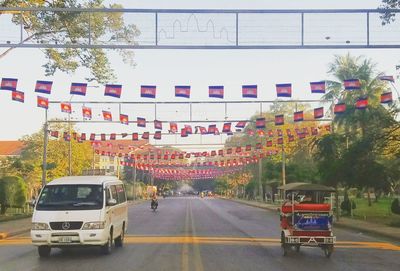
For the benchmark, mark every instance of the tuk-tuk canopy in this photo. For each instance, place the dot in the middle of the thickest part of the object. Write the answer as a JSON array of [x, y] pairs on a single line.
[[306, 187]]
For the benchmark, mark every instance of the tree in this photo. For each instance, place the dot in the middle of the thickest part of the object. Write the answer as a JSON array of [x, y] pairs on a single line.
[[389, 17], [71, 28], [12, 193]]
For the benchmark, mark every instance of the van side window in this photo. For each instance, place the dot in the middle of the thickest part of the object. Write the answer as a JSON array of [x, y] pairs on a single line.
[[107, 190], [121, 193], [114, 192]]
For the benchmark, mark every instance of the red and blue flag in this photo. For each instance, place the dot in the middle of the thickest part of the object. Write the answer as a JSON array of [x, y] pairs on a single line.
[[298, 116], [184, 132], [157, 125], [87, 112], [148, 91], [362, 103], [113, 90], [78, 89], [260, 123], [389, 78], [249, 91], [211, 129], [18, 96], [352, 84], [386, 97], [42, 102], [284, 90], [182, 91], [43, 86], [141, 122], [279, 120], [339, 108], [173, 127], [227, 127], [241, 124], [66, 108], [145, 135], [188, 129], [135, 136], [318, 113], [9, 84], [124, 119], [107, 115], [216, 92], [318, 87], [157, 135]]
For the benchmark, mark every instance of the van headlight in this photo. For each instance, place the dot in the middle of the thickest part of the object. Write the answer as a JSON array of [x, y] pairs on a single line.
[[40, 226], [94, 225]]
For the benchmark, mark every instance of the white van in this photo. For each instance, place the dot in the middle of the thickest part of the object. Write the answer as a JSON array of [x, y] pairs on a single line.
[[80, 211]]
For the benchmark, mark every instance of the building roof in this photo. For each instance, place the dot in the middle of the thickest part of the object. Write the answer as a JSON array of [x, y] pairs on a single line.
[[11, 148], [123, 145]]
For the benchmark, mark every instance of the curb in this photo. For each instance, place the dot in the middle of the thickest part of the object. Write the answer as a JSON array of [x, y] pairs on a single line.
[[336, 224], [4, 235]]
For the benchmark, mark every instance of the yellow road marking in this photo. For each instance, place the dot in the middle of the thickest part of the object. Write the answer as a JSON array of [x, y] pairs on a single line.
[[215, 240], [198, 264]]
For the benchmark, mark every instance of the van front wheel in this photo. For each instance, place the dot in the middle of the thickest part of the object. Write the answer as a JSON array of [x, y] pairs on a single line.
[[119, 241], [106, 248], [44, 251]]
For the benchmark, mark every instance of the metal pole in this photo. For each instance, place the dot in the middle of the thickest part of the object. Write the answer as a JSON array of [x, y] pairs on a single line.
[[45, 141], [134, 180], [260, 190], [93, 160], [70, 147], [283, 166]]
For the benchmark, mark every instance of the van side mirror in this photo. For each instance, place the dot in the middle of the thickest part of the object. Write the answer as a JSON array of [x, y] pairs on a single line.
[[32, 203], [111, 202]]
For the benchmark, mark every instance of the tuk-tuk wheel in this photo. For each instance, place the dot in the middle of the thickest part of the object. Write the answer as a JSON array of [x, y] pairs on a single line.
[[328, 249]]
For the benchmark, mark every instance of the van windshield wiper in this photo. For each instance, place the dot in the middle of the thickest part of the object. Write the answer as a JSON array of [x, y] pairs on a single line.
[[90, 203]]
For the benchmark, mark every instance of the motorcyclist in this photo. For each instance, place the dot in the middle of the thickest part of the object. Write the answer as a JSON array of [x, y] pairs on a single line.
[[154, 201]]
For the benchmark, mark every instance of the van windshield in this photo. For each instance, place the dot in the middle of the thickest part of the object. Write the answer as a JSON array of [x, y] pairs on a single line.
[[71, 197]]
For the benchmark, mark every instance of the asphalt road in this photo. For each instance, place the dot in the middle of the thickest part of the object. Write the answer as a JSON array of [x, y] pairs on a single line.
[[205, 234]]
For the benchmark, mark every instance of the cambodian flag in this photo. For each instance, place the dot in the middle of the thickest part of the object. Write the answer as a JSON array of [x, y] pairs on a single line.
[[18, 96], [124, 119], [135, 136], [113, 136], [66, 108], [279, 132], [188, 129], [157, 135], [83, 136], [157, 124], [314, 131], [269, 143], [148, 91], [279, 120], [141, 122], [389, 78], [113, 90], [284, 90], [280, 140], [145, 135], [212, 128], [270, 133], [43, 86], [339, 108], [318, 112], [249, 91], [9, 84], [184, 132], [87, 112], [54, 134], [241, 124], [386, 97], [227, 127], [92, 137], [362, 103], [78, 89], [42, 102], [107, 115], [298, 116], [216, 92], [352, 84], [260, 123], [173, 127], [203, 130], [317, 87], [182, 91]]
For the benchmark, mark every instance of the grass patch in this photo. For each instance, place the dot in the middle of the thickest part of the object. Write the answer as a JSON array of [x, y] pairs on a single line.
[[379, 212]]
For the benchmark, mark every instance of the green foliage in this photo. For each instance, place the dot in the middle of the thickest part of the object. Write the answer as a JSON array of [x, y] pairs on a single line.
[[12, 192], [73, 27], [395, 207]]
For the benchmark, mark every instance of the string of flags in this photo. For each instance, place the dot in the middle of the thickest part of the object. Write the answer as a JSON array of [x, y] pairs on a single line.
[[183, 91]]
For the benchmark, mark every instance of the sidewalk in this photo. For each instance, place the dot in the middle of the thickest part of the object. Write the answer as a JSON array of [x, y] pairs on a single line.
[[344, 222], [20, 226]]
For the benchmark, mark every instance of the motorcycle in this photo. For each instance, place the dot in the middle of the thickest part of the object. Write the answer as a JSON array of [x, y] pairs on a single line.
[[154, 204]]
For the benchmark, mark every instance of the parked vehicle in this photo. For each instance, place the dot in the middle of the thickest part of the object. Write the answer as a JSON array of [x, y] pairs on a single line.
[[80, 211], [306, 217]]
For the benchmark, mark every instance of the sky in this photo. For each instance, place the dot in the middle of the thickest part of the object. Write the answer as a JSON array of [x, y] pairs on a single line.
[[167, 68]]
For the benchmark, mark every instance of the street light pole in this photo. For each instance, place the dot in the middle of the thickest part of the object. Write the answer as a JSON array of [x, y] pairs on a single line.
[[45, 141], [283, 166]]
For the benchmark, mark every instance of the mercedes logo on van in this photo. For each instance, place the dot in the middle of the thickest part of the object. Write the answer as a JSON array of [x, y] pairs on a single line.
[[65, 225]]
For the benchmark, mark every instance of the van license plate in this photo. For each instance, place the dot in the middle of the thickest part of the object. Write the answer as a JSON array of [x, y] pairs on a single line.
[[65, 239]]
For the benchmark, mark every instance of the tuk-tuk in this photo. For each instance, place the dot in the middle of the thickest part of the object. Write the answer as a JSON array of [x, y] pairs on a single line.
[[306, 217]]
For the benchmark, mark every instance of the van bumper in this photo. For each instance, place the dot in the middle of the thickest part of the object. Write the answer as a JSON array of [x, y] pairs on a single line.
[[69, 238]]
